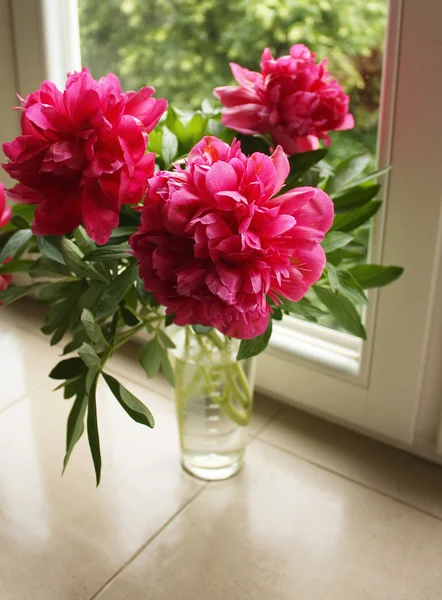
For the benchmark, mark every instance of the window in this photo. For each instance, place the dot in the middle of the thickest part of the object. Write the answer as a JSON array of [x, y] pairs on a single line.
[[396, 392]]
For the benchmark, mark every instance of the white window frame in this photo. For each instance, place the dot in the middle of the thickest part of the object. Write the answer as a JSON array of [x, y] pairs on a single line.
[[396, 391]]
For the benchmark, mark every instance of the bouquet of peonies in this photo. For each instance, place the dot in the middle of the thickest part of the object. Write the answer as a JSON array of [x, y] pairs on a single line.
[[129, 215]]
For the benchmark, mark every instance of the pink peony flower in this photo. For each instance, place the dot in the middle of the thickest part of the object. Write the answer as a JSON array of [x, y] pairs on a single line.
[[293, 99], [82, 153], [5, 216], [214, 242], [5, 211]]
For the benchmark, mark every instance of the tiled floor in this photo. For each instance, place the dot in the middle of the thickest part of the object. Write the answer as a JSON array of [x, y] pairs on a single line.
[[318, 513]]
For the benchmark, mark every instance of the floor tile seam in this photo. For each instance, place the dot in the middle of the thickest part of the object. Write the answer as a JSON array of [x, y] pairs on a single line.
[[269, 421], [21, 398], [146, 544], [351, 480]]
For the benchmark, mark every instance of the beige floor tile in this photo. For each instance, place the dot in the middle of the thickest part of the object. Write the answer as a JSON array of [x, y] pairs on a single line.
[[61, 538], [372, 463], [287, 530], [25, 360]]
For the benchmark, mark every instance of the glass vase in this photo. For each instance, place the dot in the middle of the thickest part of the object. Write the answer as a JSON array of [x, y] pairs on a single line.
[[213, 397]]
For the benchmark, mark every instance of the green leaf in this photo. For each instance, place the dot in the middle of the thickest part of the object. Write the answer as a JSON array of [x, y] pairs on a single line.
[[174, 124], [73, 257], [164, 339], [169, 145], [89, 356], [255, 346], [201, 329], [92, 430], [304, 308], [300, 163], [77, 339], [369, 177], [352, 252], [19, 222], [72, 387], [16, 266], [52, 292], [371, 276], [16, 292], [60, 317], [75, 426], [134, 407], [89, 299], [351, 288], [128, 317], [169, 320], [90, 378], [334, 240], [354, 197], [166, 367], [48, 246], [332, 277], [150, 357], [357, 217], [45, 267], [115, 292], [343, 311], [90, 326], [155, 141], [59, 333], [277, 314], [83, 241], [109, 253], [69, 368], [131, 299], [196, 128], [15, 244], [25, 211], [347, 171], [123, 232]]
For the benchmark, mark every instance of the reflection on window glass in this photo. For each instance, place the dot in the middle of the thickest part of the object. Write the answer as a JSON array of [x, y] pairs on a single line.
[[183, 48]]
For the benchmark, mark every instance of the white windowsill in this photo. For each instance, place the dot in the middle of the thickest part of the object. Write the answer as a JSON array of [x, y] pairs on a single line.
[[326, 347]]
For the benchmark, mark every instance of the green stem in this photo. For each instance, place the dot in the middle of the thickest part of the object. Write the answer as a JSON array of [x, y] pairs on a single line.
[[215, 338], [242, 392]]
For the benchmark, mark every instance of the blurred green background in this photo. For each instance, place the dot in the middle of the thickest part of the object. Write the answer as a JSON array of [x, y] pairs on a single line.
[[183, 47]]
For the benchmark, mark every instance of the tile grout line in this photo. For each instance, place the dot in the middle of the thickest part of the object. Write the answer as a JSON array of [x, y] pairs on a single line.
[[268, 422], [21, 398], [134, 556], [354, 481]]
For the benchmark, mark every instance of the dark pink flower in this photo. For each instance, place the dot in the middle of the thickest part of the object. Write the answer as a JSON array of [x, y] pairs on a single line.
[[5, 210], [82, 153], [214, 242], [5, 216], [293, 99]]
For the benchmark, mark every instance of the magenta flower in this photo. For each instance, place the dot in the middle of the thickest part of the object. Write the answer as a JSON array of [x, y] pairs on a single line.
[[293, 99], [82, 153], [5, 210], [5, 216], [215, 243]]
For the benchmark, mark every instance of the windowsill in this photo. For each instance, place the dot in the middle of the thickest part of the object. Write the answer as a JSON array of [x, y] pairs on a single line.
[[320, 345]]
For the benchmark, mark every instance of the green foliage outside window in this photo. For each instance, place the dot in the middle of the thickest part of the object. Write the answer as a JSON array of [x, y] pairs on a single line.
[[183, 47]]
